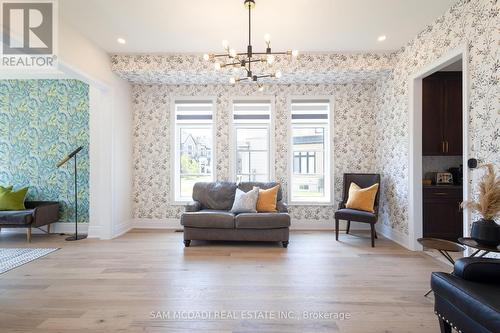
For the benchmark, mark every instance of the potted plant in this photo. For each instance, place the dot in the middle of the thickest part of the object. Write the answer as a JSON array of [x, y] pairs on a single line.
[[486, 231]]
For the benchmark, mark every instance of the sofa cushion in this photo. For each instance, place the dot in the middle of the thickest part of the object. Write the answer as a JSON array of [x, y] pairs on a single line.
[[247, 186], [16, 217], [245, 202], [355, 215], [266, 202], [208, 218], [262, 220], [215, 195]]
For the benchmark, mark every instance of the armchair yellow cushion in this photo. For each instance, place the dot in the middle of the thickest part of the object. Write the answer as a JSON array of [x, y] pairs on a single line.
[[362, 198], [266, 203]]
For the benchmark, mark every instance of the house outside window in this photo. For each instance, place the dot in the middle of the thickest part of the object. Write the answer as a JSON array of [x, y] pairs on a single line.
[[193, 160], [252, 140], [310, 152]]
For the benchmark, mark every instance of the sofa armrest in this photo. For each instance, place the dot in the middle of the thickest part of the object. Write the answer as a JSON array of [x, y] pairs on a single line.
[[282, 207], [44, 212], [193, 206], [485, 270]]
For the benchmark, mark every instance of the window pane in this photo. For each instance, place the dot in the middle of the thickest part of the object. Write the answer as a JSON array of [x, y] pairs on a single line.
[[187, 183], [253, 162], [251, 138], [308, 177], [194, 146], [308, 138], [243, 162], [308, 186]]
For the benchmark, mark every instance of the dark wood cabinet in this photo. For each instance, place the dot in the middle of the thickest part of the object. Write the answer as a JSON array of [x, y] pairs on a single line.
[[442, 114], [442, 215]]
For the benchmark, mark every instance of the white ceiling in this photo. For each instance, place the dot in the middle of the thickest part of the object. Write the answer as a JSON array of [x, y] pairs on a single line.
[[191, 26]]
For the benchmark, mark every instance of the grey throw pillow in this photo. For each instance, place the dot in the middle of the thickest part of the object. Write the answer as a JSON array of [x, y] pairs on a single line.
[[245, 202]]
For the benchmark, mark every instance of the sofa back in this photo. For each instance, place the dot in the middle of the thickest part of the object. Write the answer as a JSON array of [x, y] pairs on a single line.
[[215, 195], [247, 186]]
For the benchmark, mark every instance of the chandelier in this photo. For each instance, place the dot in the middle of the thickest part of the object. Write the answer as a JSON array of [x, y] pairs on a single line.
[[233, 59]]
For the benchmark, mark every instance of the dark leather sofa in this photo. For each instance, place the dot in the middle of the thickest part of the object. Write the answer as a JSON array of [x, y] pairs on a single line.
[[36, 214], [208, 217], [468, 300]]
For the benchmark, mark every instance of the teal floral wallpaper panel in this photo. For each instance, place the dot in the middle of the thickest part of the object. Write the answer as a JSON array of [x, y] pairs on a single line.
[[41, 121]]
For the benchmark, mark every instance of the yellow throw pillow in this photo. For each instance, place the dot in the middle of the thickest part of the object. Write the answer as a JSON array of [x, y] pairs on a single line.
[[266, 203], [362, 198]]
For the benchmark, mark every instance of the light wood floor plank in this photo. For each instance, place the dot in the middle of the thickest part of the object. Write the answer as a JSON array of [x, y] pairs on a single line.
[[106, 286]]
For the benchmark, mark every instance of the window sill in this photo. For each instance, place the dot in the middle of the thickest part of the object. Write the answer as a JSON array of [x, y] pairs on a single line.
[[180, 203]]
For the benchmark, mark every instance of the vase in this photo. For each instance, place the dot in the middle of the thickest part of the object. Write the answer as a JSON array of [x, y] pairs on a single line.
[[486, 232]]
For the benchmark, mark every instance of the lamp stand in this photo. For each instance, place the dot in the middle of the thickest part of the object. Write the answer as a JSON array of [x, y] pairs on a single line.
[[76, 236]]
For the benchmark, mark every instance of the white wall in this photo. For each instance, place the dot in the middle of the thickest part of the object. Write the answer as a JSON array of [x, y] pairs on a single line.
[[111, 132]]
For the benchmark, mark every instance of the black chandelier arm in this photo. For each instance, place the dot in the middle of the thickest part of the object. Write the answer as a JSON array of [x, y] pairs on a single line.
[[230, 64], [273, 53]]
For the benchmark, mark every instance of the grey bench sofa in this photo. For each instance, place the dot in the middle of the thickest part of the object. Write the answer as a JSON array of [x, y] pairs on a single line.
[[208, 217], [36, 214]]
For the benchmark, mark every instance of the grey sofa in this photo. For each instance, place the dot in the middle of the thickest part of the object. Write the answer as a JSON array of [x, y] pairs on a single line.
[[208, 217], [36, 214]]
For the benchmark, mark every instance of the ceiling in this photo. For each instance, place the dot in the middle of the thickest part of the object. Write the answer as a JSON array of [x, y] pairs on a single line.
[[196, 26]]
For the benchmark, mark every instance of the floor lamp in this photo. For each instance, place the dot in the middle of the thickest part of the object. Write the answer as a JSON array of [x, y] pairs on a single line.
[[76, 236]]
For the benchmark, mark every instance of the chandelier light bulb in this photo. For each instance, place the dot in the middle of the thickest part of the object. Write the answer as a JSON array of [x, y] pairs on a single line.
[[206, 57], [217, 66], [267, 38], [232, 80], [295, 53], [232, 53], [225, 44], [270, 59], [277, 74], [261, 88]]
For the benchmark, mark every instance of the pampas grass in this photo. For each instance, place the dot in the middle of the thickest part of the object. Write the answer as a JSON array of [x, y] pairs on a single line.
[[488, 203]]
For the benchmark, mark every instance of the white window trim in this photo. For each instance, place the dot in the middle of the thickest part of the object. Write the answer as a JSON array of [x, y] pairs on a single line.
[[329, 161], [271, 126], [174, 158]]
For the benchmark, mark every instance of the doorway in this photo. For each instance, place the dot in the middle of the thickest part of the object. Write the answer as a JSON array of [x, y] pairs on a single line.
[[447, 155]]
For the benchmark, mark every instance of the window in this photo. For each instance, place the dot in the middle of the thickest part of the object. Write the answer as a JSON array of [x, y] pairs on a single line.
[[252, 125], [193, 146], [310, 176]]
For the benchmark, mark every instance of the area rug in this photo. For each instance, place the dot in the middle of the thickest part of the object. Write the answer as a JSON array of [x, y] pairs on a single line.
[[11, 258]]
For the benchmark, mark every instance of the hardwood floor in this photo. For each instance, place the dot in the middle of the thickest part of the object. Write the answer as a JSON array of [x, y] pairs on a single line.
[[107, 286]]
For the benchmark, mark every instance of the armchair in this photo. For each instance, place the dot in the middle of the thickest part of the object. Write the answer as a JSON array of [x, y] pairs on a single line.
[[468, 300], [363, 180]]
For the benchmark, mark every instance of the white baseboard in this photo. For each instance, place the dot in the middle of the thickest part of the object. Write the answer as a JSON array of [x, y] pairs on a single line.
[[55, 228], [122, 228], [174, 224], [394, 235]]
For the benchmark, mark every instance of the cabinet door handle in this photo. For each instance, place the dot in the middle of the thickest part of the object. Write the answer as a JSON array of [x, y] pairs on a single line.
[[442, 146], [447, 147], [440, 193]]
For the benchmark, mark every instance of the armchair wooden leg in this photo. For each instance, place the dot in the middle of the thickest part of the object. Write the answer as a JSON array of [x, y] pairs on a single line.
[[373, 233], [48, 228], [376, 237], [348, 227], [336, 229], [28, 234]]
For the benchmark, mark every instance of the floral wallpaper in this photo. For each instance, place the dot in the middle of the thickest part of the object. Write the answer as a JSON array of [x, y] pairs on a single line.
[[371, 108], [41, 121], [305, 69], [469, 22], [353, 142]]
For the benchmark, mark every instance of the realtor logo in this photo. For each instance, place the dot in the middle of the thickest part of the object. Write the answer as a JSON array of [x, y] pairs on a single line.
[[28, 33]]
